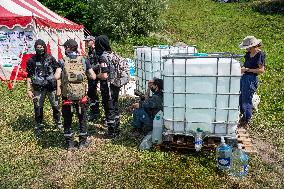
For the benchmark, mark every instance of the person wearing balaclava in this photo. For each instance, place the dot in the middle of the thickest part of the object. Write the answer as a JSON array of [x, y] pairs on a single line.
[[109, 92], [93, 84], [73, 72], [41, 83], [145, 111]]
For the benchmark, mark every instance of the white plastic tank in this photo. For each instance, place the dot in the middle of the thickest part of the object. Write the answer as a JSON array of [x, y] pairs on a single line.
[[149, 62], [201, 92]]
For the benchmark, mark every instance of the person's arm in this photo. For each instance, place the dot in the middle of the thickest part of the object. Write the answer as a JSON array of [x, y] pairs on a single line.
[[58, 87], [147, 94], [57, 74], [103, 62], [260, 63], [29, 88], [258, 70], [103, 75], [29, 80], [92, 74]]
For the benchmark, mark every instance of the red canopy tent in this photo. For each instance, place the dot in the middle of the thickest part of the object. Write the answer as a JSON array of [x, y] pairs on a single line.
[[24, 21]]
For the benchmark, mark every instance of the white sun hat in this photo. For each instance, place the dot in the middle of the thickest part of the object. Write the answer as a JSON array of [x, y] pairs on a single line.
[[249, 41]]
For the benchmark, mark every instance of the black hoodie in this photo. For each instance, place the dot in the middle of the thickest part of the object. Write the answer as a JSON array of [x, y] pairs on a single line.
[[41, 68]]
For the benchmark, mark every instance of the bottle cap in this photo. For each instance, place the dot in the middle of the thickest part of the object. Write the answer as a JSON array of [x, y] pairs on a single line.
[[240, 146]]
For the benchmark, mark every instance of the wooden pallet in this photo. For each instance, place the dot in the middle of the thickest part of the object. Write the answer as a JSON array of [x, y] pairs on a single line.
[[245, 140]]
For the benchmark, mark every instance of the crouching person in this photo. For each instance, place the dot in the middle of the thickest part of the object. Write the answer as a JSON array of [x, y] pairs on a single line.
[[145, 111], [73, 83], [41, 83]]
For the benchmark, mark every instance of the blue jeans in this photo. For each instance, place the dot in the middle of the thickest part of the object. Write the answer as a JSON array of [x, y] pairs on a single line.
[[249, 85], [141, 119]]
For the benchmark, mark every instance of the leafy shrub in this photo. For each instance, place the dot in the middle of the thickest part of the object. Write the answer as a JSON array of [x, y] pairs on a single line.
[[122, 18]]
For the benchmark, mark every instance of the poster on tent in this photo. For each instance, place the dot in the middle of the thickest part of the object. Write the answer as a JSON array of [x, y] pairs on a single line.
[[14, 43]]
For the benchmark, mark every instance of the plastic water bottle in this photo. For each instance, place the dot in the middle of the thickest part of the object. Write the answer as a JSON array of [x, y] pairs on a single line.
[[239, 166], [198, 139], [224, 154], [146, 143], [157, 128]]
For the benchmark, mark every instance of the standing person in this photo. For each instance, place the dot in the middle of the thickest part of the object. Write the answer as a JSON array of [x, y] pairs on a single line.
[[253, 65], [109, 91], [92, 84], [145, 111], [74, 82], [41, 83]]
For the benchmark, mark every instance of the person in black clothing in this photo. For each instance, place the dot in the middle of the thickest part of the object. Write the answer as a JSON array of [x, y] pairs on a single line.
[[41, 83], [145, 111], [68, 105], [109, 92], [92, 84]]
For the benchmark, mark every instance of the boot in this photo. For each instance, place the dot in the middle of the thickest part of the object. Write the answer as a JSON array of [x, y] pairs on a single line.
[[70, 143], [38, 129], [84, 142], [116, 125], [110, 129], [93, 117]]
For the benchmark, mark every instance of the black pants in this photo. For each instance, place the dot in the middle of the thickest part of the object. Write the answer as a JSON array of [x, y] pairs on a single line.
[[110, 95], [39, 98], [93, 96], [67, 113]]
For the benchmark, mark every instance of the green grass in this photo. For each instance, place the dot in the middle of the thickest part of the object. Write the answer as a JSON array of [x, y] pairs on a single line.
[[27, 162]]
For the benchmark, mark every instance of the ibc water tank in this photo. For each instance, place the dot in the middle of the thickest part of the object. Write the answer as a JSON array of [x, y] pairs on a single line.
[[201, 92], [149, 62]]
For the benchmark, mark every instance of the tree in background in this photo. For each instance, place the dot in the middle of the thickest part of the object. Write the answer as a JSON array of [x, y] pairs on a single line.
[[77, 11], [115, 18]]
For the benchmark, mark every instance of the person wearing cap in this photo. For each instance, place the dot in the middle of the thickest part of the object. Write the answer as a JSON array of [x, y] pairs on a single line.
[[71, 52], [252, 67], [145, 111], [41, 83], [93, 84]]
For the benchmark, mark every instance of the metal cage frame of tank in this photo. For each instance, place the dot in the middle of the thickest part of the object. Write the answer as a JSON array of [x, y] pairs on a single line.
[[143, 65], [168, 135]]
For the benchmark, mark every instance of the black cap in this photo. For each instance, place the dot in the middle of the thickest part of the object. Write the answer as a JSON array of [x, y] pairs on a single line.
[[71, 43]]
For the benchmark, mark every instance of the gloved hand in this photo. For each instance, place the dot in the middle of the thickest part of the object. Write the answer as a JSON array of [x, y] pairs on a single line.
[[50, 78]]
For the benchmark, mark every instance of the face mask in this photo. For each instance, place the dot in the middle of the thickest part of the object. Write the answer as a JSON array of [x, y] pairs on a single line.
[[153, 89], [39, 51]]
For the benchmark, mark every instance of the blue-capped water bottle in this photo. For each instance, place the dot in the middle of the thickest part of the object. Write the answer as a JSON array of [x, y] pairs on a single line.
[[224, 154], [239, 166]]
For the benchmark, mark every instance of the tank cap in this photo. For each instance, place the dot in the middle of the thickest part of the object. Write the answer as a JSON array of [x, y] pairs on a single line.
[[222, 139], [199, 130]]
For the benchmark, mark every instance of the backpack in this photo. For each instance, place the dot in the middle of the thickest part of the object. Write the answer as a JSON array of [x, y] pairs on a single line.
[[119, 73], [74, 79]]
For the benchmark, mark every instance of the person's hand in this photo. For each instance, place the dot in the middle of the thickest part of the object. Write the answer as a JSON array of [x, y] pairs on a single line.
[[132, 107], [30, 94], [58, 91], [244, 69]]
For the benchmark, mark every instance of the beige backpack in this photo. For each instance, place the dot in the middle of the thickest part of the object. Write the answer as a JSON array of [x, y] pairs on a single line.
[[74, 79]]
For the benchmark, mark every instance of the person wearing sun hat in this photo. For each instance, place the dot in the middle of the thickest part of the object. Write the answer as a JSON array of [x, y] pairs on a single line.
[[252, 67]]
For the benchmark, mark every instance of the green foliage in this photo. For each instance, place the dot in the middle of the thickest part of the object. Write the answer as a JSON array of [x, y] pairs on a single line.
[[115, 18], [122, 18], [76, 11]]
